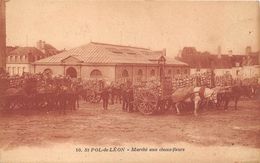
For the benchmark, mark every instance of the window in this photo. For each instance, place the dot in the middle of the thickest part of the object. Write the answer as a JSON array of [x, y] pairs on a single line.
[[18, 70], [139, 76], [13, 70], [23, 69], [185, 71], [96, 74], [178, 71], [169, 72], [152, 73], [125, 74], [15, 58], [47, 72]]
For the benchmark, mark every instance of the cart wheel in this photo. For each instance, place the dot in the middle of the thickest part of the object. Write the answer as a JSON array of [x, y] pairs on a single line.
[[148, 103]]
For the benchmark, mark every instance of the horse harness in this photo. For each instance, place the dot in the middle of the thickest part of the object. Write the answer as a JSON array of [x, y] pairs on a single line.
[[202, 92]]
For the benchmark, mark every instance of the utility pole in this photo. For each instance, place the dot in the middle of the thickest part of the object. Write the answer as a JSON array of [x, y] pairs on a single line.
[[2, 35]]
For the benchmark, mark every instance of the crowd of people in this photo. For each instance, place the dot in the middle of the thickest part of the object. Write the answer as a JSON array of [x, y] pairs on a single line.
[[121, 91], [110, 93]]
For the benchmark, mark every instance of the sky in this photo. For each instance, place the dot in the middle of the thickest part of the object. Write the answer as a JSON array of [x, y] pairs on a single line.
[[150, 24]]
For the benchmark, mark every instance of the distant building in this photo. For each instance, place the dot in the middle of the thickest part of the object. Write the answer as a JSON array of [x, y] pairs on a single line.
[[46, 48], [112, 62], [234, 64], [19, 59]]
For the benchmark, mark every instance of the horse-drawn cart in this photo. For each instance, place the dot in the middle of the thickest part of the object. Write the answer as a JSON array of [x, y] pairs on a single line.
[[153, 96], [91, 91]]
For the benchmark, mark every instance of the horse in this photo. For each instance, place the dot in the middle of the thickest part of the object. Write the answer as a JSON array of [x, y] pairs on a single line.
[[196, 95], [12, 98], [233, 93], [116, 93]]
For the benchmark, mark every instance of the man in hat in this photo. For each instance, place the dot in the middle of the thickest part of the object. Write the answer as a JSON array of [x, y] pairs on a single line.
[[105, 97], [124, 98], [130, 100], [112, 92]]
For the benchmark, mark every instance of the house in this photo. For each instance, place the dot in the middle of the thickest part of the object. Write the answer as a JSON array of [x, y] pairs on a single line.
[[112, 62], [19, 59], [234, 64]]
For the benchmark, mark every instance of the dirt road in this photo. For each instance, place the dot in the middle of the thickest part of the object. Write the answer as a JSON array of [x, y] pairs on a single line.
[[94, 126]]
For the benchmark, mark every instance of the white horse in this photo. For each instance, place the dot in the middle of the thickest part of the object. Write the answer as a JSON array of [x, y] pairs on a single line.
[[198, 95]]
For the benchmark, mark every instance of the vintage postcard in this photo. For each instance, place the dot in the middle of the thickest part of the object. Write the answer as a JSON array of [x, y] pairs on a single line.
[[129, 81]]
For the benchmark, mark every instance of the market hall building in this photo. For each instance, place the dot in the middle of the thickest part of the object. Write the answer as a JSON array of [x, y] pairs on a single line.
[[110, 62]]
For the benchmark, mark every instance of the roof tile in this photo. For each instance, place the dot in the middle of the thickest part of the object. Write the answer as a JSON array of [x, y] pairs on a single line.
[[107, 53]]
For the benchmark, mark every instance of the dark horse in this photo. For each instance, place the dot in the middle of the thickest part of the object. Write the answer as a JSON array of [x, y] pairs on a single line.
[[116, 93], [233, 93], [67, 99]]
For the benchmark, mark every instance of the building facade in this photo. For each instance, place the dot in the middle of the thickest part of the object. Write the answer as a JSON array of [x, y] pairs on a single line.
[[238, 65], [19, 59], [111, 62]]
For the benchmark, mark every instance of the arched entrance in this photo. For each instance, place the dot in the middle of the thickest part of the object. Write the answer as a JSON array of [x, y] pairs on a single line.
[[152, 73], [72, 72], [125, 74], [47, 72], [140, 72], [96, 74], [139, 75]]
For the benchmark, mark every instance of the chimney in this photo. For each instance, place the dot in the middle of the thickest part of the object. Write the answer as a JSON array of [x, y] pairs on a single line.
[[248, 50], [230, 53], [219, 52], [39, 44], [164, 52], [43, 44]]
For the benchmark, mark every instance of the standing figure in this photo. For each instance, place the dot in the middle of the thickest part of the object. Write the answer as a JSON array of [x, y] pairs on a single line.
[[112, 92], [130, 99], [124, 98], [105, 97]]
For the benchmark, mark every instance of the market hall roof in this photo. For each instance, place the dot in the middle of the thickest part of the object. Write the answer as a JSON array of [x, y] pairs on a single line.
[[100, 53]]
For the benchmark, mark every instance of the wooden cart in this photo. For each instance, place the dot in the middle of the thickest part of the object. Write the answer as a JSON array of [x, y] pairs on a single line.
[[153, 97]]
